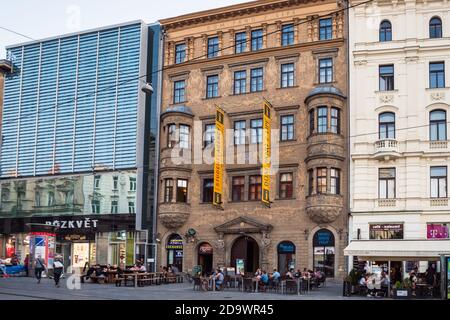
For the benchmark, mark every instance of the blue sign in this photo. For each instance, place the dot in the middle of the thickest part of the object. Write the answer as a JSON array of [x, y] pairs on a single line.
[[39, 241], [286, 248], [324, 238]]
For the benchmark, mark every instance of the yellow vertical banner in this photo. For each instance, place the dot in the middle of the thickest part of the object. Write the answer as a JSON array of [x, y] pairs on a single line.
[[219, 156], [266, 161]]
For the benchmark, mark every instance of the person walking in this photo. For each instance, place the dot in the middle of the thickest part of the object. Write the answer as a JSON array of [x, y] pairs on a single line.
[[57, 270], [26, 263], [38, 268]]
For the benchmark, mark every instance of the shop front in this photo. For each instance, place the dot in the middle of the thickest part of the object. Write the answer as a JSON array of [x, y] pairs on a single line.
[[403, 260], [286, 256], [80, 240], [174, 249]]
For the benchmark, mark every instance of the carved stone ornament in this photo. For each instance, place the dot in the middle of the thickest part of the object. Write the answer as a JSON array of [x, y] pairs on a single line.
[[437, 96], [387, 98], [265, 240]]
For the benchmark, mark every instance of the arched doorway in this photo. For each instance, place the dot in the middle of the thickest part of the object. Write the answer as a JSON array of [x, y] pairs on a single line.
[[324, 252], [174, 249], [205, 257], [245, 248], [286, 256]]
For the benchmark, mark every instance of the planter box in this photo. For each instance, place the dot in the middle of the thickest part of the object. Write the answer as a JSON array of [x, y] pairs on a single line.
[[402, 294]]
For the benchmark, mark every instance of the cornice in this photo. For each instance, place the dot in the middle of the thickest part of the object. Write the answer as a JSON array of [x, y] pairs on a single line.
[[237, 10]]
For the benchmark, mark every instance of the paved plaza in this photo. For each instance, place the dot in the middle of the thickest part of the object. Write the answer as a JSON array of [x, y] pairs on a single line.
[[28, 289]]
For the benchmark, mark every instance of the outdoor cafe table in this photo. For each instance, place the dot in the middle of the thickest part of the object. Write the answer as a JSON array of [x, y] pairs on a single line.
[[299, 283], [235, 279], [136, 276]]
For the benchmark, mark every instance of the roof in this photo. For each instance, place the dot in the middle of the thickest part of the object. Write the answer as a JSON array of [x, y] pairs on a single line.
[[78, 33], [179, 109], [5, 66], [398, 250], [325, 90]]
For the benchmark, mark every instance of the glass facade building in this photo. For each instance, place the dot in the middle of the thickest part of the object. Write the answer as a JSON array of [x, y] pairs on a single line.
[[78, 147]]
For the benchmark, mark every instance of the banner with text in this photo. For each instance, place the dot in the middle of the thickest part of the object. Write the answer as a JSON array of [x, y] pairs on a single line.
[[267, 145], [219, 156]]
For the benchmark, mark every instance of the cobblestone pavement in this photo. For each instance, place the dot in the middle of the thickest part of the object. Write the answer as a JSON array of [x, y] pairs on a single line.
[[28, 289]]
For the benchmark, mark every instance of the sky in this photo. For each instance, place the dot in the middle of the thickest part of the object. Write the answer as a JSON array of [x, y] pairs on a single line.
[[39, 19]]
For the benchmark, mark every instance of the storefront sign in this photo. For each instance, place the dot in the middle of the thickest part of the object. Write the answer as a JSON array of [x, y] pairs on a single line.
[[175, 244], [219, 156], [286, 248], [205, 249], [85, 223], [324, 238], [386, 227], [240, 266], [437, 231]]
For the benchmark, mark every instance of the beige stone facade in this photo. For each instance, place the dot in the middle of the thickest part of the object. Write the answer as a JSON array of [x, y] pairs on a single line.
[[318, 144]]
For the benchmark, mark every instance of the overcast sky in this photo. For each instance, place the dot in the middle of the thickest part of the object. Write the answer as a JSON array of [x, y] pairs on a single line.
[[45, 18]]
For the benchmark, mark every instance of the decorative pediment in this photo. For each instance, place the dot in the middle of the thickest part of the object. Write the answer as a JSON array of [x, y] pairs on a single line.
[[243, 225]]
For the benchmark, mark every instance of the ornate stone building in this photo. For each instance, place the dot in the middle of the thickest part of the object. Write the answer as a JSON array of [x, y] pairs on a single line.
[[293, 54]]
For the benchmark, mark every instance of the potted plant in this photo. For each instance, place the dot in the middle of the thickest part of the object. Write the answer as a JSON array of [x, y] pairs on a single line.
[[402, 290], [353, 278]]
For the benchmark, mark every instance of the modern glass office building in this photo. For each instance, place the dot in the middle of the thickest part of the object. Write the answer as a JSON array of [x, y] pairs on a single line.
[[76, 139]]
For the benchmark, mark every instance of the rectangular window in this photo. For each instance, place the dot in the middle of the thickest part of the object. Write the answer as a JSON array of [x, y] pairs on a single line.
[[287, 35], [179, 92], [115, 183], [255, 188], [97, 182], [312, 120], [184, 136], [310, 181], [180, 53], [322, 180], [437, 75], [95, 206], [168, 190], [325, 29], [241, 42], [438, 182], [257, 40], [213, 47], [172, 135], [287, 128], [210, 132], [286, 185], [239, 133], [238, 188], [240, 80], [208, 190], [386, 231], [335, 183], [287, 75], [335, 120], [256, 80], [256, 131], [386, 183], [132, 184], [182, 190], [322, 119], [114, 207], [386, 77], [212, 90], [131, 208], [326, 70]]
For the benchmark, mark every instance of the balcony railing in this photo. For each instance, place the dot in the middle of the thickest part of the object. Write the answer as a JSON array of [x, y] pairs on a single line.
[[438, 144], [387, 202], [443, 202], [386, 149]]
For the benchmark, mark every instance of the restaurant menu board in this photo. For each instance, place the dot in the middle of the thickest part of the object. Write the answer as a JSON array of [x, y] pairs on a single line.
[[240, 266], [448, 278]]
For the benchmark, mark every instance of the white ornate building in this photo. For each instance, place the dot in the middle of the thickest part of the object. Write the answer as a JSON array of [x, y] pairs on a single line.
[[399, 111]]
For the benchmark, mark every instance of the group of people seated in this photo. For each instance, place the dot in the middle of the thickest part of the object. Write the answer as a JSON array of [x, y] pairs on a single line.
[[307, 275], [217, 278], [375, 284], [100, 272]]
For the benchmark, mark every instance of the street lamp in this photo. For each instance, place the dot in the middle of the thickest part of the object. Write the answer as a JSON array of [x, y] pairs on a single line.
[[147, 88]]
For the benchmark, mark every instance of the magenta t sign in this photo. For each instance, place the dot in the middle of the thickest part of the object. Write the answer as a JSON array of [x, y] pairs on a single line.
[[437, 231]]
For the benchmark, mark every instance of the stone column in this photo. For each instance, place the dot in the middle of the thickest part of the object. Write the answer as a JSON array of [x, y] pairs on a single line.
[[265, 244], [278, 34], [265, 40], [296, 30], [232, 34], [219, 252]]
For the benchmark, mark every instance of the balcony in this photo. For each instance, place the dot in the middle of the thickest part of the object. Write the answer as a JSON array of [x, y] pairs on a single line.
[[438, 145], [324, 208], [443, 202], [386, 149], [174, 215], [387, 202]]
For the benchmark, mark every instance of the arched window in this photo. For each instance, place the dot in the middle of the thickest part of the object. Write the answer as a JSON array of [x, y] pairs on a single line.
[[435, 28], [387, 125], [438, 125], [385, 31], [286, 256], [324, 252]]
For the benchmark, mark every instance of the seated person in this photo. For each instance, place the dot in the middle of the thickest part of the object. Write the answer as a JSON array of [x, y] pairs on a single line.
[[289, 274], [14, 260], [363, 281], [276, 276], [298, 274], [91, 271], [264, 278], [175, 269], [142, 268]]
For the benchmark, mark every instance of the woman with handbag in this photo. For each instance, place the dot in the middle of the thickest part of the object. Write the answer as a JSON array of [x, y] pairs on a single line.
[[38, 268], [57, 270]]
